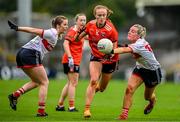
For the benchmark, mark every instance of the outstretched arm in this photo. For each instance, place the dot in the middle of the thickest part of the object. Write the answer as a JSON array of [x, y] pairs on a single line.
[[121, 50], [15, 27], [36, 31]]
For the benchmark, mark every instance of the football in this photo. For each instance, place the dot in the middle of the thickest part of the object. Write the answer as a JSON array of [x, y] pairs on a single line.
[[105, 46]]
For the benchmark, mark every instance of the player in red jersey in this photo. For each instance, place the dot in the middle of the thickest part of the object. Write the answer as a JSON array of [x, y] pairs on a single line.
[[29, 59], [100, 68], [71, 62]]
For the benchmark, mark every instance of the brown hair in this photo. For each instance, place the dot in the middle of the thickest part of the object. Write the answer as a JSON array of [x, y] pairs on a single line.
[[58, 20], [77, 16], [141, 30], [109, 11]]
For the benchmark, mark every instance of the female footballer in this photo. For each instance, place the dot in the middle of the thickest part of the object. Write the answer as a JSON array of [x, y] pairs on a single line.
[[100, 68], [71, 61], [147, 69], [29, 59]]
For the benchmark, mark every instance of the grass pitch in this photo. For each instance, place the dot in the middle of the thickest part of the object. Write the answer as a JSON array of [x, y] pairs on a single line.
[[106, 106]]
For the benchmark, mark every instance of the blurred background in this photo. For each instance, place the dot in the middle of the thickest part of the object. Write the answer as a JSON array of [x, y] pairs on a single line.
[[160, 17]]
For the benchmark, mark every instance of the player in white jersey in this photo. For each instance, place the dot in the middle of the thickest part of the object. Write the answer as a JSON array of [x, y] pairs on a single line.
[[29, 59], [147, 69]]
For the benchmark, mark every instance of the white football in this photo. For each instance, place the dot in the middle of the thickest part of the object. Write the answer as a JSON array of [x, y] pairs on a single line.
[[105, 45]]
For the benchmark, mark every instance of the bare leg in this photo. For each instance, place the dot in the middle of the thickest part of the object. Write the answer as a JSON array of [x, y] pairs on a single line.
[[133, 83], [104, 81], [25, 88], [73, 78], [151, 97], [95, 71], [63, 95], [29, 86], [43, 82]]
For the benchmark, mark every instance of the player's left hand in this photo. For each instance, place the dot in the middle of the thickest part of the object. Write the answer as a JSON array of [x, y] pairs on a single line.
[[12, 25]]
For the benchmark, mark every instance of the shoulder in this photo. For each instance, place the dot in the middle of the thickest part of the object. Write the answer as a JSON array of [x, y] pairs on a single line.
[[72, 29], [71, 33], [51, 30], [141, 41], [92, 22], [139, 44], [109, 26]]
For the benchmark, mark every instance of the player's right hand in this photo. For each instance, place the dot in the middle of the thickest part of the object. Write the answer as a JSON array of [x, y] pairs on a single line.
[[12, 25]]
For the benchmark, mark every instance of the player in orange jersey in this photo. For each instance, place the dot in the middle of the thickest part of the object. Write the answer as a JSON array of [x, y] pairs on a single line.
[[71, 62], [100, 68]]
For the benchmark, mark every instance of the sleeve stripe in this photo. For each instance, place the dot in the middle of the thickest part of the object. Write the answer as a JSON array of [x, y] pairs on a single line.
[[42, 33]]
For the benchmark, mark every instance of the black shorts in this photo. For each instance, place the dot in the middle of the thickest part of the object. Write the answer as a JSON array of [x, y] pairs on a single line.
[[150, 77], [67, 69], [28, 58], [106, 68]]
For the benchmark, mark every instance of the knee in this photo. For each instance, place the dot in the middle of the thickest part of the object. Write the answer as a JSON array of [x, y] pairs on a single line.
[[93, 83], [129, 89], [74, 83], [45, 82]]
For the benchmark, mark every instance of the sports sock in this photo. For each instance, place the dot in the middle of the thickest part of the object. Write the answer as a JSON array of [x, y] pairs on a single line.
[[41, 107], [61, 104], [71, 103], [124, 114], [87, 107], [19, 92]]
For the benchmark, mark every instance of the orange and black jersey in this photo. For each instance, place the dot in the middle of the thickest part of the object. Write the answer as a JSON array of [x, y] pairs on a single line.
[[75, 47], [95, 34]]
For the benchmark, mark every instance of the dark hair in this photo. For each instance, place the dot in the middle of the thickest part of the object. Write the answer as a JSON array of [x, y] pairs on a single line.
[[58, 20], [77, 16]]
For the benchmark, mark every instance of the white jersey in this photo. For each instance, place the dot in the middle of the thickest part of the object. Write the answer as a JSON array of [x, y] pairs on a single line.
[[144, 55], [45, 43]]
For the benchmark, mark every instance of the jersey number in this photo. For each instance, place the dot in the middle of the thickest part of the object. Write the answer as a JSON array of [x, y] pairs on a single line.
[[148, 47]]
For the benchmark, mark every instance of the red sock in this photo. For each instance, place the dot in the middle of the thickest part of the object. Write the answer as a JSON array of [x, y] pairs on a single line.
[[18, 93], [87, 107], [71, 103], [124, 114], [41, 108]]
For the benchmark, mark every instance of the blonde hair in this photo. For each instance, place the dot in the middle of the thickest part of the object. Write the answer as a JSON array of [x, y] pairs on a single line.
[[141, 30], [109, 11], [58, 20]]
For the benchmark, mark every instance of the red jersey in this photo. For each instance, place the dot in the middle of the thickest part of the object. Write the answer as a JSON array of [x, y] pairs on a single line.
[[95, 34], [75, 47]]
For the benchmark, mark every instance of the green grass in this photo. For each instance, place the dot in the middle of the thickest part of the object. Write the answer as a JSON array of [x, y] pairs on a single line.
[[106, 106]]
